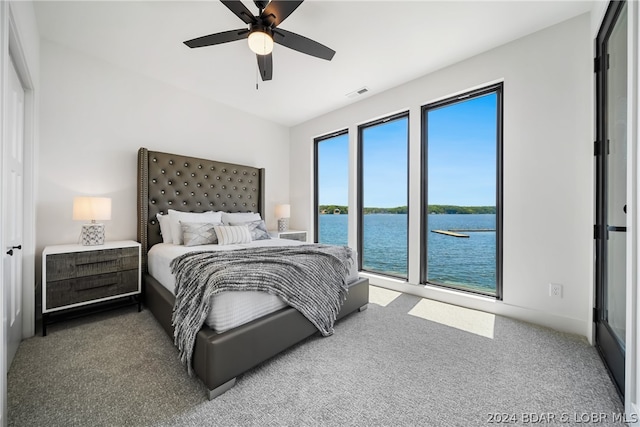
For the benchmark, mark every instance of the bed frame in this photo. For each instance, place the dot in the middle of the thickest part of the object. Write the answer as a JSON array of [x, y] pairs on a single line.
[[170, 181]]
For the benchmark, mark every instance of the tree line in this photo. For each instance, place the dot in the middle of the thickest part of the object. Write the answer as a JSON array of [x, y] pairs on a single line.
[[433, 209]]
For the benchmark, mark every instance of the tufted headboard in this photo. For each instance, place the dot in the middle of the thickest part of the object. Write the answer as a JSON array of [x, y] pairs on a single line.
[[172, 181]]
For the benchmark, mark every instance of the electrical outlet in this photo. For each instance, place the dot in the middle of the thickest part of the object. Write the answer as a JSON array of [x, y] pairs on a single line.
[[555, 290]]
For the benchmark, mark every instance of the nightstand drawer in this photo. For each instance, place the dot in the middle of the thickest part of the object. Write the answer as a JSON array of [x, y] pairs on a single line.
[[80, 264], [289, 235], [62, 293], [74, 277], [300, 236]]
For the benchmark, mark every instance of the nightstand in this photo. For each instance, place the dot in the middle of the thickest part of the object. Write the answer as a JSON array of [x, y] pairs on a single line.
[[289, 234], [74, 276]]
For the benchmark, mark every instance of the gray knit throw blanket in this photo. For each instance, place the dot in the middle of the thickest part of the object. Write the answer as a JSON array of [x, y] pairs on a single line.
[[310, 278]]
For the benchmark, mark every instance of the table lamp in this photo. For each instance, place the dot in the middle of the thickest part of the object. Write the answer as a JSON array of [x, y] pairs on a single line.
[[283, 212], [92, 209]]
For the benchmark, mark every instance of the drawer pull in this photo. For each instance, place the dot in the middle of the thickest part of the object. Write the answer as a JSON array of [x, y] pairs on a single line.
[[104, 261], [98, 282], [96, 285]]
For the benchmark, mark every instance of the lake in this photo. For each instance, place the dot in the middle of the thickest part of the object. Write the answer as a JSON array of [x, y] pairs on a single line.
[[464, 262]]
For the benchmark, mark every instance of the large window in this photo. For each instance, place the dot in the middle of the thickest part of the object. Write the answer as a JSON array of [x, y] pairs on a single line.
[[383, 195], [332, 188], [463, 174]]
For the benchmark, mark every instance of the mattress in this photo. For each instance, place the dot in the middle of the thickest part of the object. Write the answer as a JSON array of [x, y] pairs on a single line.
[[228, 309]]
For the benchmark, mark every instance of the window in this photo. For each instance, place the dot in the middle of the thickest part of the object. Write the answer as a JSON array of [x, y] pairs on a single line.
[[462, 172], [332, 189], [383, 195]]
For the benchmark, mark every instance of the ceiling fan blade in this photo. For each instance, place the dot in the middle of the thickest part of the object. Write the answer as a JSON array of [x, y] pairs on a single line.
[[218, 38], [240, 10], [302, 44], [278, 10], [265, 65]]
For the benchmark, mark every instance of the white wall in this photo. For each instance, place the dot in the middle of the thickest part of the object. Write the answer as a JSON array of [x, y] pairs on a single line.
[[94, 116], [548, 169]]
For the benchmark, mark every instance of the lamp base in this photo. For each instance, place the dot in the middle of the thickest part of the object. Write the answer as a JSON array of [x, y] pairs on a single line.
[[92, 234], [283, 224]]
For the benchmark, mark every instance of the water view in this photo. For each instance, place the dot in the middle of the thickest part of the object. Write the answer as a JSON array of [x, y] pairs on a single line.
[[460, 181], [463, 262]]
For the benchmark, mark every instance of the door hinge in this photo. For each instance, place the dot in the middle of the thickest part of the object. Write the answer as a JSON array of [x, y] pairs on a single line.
[[596, 148], [595, 314], [596, 64], [596, 231]]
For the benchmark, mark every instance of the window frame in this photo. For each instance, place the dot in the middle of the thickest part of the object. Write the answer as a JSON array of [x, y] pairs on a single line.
[[360, 191], [316, 186], [498, 89]]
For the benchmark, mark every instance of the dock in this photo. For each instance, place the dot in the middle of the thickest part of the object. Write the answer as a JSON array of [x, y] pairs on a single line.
[[450, 233], [471, 229]]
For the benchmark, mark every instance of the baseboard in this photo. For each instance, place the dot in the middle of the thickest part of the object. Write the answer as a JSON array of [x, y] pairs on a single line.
[[632, 417], [486, 304]]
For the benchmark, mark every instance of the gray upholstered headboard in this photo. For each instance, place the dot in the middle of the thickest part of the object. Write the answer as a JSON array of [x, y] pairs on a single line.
[[172, 181]]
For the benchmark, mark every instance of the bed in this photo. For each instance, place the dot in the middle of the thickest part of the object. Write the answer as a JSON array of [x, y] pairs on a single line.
[[170, 181]]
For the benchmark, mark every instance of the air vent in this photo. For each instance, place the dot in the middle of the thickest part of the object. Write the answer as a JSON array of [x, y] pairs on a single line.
[[358, 92]]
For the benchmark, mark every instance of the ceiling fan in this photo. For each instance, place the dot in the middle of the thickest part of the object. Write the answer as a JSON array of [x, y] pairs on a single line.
[[262, 33]]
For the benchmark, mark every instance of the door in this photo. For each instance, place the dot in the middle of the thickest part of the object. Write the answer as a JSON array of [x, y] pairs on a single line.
[[611, 190], [12, 190]]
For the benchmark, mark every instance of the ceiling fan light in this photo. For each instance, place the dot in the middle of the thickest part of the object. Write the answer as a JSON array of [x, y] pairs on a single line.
[[260, 42]]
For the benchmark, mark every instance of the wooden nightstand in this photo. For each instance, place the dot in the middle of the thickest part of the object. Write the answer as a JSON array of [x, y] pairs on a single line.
[[289, 234], [75, 276]]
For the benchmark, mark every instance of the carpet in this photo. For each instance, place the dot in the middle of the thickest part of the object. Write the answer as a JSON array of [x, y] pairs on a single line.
[[382, 367]]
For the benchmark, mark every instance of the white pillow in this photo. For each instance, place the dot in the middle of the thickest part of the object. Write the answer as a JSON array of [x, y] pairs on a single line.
[[165, 228], [176, 216], [228, 218], [232, 234]]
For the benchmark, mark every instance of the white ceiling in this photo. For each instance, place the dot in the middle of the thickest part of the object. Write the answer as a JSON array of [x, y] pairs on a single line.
[[379, 44]]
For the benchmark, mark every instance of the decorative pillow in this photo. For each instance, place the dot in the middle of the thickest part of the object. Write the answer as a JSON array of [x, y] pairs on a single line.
[[165, 228], [258, 229], [239, 217], [232, 234], [199, 233], [176, 216]]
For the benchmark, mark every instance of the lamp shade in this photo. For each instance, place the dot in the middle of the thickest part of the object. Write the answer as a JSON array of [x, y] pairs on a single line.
[[91, 208], [283, 211]]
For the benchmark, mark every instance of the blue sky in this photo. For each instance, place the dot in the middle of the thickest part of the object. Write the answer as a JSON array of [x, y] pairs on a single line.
[[333, 171], [385, 164], [462, 153], [461, 159]]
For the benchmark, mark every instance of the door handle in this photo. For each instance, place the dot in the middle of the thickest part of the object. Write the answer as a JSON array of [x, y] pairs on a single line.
[[11, 248], [616, 228]]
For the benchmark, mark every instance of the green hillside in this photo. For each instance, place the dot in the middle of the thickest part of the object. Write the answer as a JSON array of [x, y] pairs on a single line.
[[433, 209]]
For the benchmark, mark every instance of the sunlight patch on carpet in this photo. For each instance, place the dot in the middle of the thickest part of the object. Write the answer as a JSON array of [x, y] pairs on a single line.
[[382, 296], [476, 322]]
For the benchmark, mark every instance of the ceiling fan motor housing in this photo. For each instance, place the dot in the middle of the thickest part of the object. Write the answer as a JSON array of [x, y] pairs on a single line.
[[260, 27]]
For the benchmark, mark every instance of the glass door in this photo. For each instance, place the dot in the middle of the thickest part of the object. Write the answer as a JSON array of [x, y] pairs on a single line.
[[611, 189]]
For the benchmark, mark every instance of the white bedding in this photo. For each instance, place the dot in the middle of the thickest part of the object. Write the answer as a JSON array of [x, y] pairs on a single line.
[[228, 309]]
